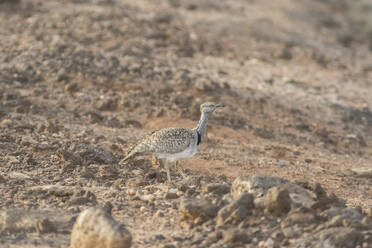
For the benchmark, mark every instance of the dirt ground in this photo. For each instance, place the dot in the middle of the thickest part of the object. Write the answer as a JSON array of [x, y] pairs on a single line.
[[82, 81]]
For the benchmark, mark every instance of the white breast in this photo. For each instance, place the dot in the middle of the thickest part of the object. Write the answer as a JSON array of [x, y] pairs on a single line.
[[188, 153]]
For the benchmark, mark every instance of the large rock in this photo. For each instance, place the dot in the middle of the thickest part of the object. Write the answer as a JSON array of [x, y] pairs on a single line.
[[236, 210], [259, 185], [95, 228], [198, 210], [277, 201], [333, 237], [36, 220]]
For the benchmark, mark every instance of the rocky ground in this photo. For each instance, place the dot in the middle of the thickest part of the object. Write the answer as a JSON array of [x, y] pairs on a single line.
[[287, 163]]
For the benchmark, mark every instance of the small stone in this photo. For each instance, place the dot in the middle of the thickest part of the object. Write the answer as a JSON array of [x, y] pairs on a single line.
[[168, 246], [278, 235], [6, 123], [198, 210], [2, 179], [71, 88], [277, 201], [79, 201], [107, 104], [159, 214], [82, 197], [146, 198], [216, 188], [236, 236], [293, 231], [159, 237], [363, 171], [62, 75], [108, 172], [133, 123], [285, 54], [135, 182], [264, 133], [130, 191], [45, 226], [54, 190], [94, 117], [235, 211], [18, 175], [170, 196], [96, 228]]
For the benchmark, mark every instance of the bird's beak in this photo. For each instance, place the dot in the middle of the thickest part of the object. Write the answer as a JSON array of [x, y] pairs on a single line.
[[220, 105]]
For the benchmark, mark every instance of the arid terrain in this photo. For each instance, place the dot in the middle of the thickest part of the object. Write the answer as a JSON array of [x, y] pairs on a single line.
[[82, 81]]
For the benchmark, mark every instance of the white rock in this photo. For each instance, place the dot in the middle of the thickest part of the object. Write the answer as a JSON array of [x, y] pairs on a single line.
[[259, 185], [256, 185]]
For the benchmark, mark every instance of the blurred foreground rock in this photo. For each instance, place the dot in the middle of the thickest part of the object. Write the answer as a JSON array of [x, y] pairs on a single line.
[[95, 227]]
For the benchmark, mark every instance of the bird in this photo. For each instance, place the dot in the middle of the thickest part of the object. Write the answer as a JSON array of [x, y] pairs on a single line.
[[174, 143]]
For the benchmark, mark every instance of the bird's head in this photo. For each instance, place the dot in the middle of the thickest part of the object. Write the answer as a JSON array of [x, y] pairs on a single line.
[[209, 107]]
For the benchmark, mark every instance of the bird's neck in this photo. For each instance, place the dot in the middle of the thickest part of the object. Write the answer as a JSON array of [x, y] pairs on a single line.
[[202, 125]]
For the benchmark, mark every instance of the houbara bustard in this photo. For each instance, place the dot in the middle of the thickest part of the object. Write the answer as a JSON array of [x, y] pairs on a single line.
[[174, 143]]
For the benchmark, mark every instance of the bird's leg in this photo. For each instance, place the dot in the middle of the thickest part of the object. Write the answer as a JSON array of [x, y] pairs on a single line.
[[168, 171], [160, 161], [180, 170]]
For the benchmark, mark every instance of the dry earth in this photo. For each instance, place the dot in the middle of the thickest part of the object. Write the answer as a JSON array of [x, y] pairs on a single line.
[[81, 81]]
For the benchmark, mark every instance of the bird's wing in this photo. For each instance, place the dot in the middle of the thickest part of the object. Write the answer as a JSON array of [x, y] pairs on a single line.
[[168, 140]]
